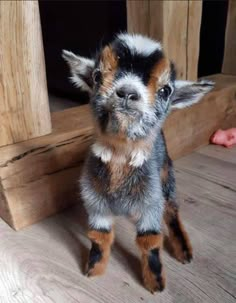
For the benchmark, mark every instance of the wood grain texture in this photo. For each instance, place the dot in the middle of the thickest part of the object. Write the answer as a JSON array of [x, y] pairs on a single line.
[[229, 62], [44, 263], [138, 16], [193, 38], [168, 23], [24, 109], [218, 152], [38, 176]]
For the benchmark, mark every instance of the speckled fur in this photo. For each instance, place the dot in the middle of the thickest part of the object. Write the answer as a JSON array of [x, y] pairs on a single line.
[[144, 205], [128, 172]]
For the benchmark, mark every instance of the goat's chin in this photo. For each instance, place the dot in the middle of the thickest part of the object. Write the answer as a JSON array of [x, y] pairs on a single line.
[[126, 126]]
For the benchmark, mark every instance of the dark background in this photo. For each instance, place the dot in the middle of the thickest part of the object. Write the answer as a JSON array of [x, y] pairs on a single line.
[[212, 37], [81, 26]]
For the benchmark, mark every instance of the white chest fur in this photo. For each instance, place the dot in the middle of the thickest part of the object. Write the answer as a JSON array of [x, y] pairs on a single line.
[[135, 157]]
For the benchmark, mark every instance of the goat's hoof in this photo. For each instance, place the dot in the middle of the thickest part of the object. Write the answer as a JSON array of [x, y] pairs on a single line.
[[97, 270], [183, 255], [154, 283], [186, 257]]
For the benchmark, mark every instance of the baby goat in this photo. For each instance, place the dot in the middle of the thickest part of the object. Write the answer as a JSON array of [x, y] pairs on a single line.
[[132, 89]]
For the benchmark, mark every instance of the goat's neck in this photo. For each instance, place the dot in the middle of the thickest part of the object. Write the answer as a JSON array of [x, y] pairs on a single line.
[[123, 150]]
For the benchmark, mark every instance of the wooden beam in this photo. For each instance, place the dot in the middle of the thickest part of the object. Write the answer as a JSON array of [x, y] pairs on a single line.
[[24, 108], [229, 62], [38, 176]]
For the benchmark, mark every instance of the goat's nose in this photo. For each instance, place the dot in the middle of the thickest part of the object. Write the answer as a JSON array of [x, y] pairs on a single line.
[[129, 93]]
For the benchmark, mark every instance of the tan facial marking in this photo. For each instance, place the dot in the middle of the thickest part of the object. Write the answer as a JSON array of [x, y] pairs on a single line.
[[159, 76], [108, 68]]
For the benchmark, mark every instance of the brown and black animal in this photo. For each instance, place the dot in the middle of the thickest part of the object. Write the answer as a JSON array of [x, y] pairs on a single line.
[[128, 172]]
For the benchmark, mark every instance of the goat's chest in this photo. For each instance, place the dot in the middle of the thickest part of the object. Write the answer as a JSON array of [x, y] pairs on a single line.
[[117, 179], [118, 175]]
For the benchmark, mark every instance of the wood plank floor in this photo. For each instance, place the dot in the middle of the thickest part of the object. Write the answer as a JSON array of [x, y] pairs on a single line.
[[44, 263]]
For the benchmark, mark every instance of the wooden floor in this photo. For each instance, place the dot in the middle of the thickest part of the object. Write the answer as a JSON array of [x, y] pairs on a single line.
[[44, 263]]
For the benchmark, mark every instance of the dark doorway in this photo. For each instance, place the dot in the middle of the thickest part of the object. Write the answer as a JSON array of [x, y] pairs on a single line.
[[212, 37], [79, 26]]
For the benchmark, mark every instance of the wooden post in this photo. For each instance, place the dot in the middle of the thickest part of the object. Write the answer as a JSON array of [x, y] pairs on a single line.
[[24, 108], [176, 24], [168, 23], [193, 38], [229, 62]]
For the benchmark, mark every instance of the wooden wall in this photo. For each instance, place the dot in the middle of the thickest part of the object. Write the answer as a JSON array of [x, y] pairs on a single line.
[[176, 24]]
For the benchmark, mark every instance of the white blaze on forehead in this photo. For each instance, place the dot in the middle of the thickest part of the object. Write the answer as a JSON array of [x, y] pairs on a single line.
[[140, 44]]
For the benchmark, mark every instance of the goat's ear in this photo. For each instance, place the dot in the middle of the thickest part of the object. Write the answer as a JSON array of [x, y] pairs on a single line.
[[187, 93], [81, 70]]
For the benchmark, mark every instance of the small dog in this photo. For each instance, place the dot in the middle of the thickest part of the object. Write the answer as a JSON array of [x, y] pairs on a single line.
[[132, 90]]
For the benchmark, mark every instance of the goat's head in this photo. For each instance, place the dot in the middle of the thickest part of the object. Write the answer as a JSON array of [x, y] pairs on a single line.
[[132, 85]]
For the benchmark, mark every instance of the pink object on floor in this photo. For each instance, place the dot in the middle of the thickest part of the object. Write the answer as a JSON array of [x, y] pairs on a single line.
[[226, 138]]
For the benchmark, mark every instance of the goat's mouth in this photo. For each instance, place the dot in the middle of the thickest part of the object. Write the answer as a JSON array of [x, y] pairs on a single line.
[[113, 108], [118, 121], [129, 113]]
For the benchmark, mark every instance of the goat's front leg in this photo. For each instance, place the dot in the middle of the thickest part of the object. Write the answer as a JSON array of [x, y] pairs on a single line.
[[149, 240], [102, 236], [178, 237]]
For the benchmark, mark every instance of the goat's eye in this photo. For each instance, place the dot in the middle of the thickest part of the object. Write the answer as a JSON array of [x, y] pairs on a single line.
[[165, 92], [97, 75]]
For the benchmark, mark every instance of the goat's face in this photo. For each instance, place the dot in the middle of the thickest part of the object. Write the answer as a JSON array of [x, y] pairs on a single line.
[[132, 86]]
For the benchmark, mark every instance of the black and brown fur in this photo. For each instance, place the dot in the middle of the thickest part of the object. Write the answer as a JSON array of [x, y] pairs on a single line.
[[132, 89], [178, 237], [100, 251], [150, 245]]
